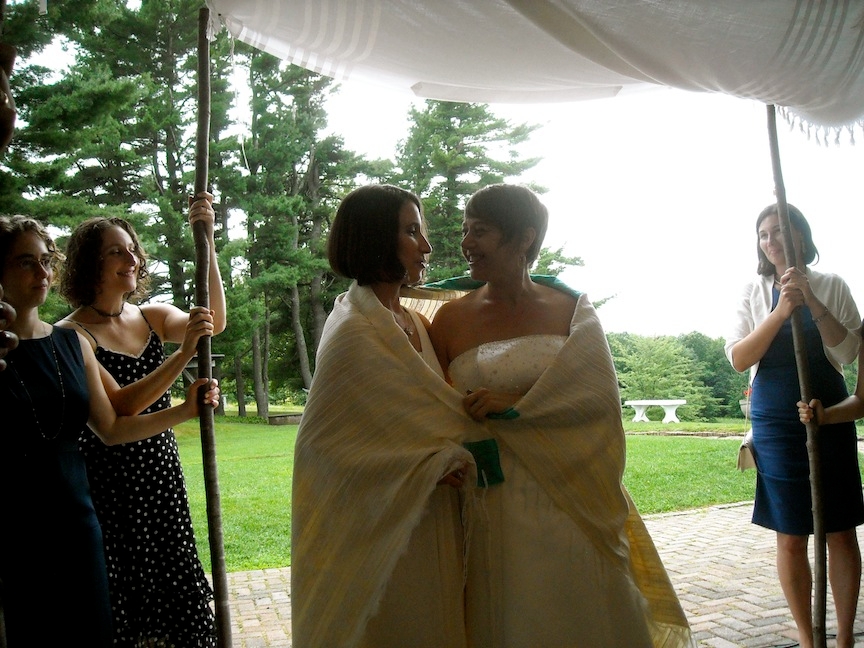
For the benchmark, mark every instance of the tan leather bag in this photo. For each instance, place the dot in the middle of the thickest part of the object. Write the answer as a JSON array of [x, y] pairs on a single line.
[[746, 461]]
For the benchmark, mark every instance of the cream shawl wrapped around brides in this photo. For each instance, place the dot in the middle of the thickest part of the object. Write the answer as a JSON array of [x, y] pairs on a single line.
[[379, 430], [570, 437]]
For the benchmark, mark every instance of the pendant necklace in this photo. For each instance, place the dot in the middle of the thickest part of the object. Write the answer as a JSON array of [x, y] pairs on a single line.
[[408, 330], [99, 311], [62, 393]]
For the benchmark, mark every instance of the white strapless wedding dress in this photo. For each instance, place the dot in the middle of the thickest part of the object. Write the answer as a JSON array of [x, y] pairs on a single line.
[[535, 579]]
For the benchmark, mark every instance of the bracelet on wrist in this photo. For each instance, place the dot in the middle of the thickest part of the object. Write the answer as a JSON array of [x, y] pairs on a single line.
[[824, 314]]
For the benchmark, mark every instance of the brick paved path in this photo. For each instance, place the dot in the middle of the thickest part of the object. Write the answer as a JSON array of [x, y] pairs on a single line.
[[721, 565], [723, 569]]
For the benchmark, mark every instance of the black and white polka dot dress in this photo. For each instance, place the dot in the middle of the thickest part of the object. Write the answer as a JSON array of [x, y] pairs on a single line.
[[159, 593]]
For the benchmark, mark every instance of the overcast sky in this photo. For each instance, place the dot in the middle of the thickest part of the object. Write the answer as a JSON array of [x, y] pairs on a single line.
[[658, 193]]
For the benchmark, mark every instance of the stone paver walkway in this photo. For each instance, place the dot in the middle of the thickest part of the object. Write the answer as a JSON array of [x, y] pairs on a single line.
[[722, 567]]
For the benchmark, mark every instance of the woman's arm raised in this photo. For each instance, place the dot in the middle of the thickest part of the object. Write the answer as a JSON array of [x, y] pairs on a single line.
[[113, 429], [137, 396]]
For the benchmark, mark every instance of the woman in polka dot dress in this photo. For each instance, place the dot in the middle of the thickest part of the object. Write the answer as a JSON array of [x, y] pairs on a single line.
[[159, 592]]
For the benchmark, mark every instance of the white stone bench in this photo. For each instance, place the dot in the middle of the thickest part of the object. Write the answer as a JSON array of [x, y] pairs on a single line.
[[669, 407]]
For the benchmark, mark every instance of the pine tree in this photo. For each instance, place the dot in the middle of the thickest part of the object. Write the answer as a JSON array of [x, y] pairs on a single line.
[[452, 150], [295, 178]]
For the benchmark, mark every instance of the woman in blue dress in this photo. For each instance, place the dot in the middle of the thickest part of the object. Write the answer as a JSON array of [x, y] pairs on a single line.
[[762, 342], [52, 566]]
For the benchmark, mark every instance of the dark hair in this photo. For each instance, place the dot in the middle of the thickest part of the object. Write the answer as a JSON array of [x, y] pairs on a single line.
[[364, 236], [512, 209], [797, 222], [11, 227], [82, 272]]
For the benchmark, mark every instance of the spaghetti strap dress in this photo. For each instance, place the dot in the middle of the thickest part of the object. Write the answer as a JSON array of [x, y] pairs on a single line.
[[52, 566], [783, 501], [159, 592]]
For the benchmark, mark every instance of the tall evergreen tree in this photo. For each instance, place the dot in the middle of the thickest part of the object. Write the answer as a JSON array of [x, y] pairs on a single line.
[[115, 135], [452, 150], [294, 179]]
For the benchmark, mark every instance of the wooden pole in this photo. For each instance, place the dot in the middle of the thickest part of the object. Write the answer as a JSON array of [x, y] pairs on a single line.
[[2, 615], [7, 101], [205, 361], [819, 548]]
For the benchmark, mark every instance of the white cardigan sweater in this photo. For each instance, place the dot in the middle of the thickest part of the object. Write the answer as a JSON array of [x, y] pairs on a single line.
[[830, 289]]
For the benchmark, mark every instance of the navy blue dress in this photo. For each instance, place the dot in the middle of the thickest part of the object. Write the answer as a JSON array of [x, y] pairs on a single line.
[[51, 557], [159, 591], [780, 441]]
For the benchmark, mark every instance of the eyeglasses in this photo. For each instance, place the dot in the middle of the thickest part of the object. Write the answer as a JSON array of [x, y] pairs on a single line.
[[30, 264]]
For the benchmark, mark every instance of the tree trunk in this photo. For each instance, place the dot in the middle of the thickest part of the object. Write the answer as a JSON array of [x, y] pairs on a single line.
[[240, 382], [300, 337], [258, 385], [265, 359], [319, 315]]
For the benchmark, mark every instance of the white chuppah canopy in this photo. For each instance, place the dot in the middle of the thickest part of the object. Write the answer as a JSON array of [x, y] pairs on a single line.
[[805, 56]]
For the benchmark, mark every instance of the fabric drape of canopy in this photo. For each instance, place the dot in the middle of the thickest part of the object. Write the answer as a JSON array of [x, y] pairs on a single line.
[[805, 56]]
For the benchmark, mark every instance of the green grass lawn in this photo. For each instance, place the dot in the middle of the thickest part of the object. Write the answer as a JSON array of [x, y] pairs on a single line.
[[676, 473], [255, 466], [664, 473]]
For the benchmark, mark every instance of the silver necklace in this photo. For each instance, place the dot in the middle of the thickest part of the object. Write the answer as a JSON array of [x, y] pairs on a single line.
[[62, 393], [408, 329]]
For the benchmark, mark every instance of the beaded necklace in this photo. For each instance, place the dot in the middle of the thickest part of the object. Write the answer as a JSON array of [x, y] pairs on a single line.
[[106, 313], [11, 365]]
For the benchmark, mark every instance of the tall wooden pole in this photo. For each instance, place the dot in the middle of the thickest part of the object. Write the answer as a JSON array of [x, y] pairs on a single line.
[[819, 549], [202, 298], [2, 592], [7, 101]]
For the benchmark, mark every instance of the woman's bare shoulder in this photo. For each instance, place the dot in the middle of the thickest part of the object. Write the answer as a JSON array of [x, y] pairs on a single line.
[[554, 309], [424, 319], [66, 323], [455, 309], [72, 322], [159, 309]]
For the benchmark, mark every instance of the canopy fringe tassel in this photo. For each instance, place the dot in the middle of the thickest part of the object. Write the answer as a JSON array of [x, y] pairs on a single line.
[[822, 135]]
